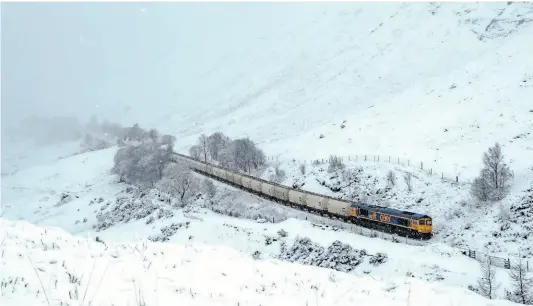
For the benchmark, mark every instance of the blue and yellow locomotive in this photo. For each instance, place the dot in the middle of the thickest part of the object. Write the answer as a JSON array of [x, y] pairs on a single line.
[[394, 220]]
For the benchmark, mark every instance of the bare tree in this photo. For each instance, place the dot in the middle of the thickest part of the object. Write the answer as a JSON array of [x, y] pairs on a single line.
[[391, 178], [178, 181], [246, 156], [168, 140], [522, 284], [203, 144], [407, 178], [302, 168], [335, 163], [153, 134], [495, 176], [226, 157], [136, 133], [142, 164], [487, 284], [216, 143], [195, 152]]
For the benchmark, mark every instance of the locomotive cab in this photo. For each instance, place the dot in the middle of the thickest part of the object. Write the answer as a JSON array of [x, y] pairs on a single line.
[[425, 225]]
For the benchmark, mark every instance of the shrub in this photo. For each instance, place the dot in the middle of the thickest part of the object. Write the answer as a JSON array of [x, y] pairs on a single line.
[[335, 163], [391, 178]]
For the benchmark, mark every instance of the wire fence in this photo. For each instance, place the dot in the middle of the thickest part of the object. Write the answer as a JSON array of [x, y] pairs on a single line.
[[428, 168], [501, 262]]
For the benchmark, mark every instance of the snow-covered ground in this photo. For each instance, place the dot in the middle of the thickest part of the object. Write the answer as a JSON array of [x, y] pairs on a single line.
[[458, 220], [34, 195], [47, 266], [425, 82]]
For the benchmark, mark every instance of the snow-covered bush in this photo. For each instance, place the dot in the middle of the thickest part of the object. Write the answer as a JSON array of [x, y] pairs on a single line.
[[168, 231], [208, 187], [139, 205], [378, 259], [226, 203], [337, 256], [283, 233]]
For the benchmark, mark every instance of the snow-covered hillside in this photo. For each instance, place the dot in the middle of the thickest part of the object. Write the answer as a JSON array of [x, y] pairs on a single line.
[[47, 266], [433, 82], [501, 228], [79, 195], [423, 82]]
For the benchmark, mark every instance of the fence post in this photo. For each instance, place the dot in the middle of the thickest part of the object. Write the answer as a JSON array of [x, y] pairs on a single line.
[[422, 165], [398, 160], [408, 162], [431, 171], [389, 158], [457, 179], [378, 158], [365, 157], [442, 176], [508, 263]]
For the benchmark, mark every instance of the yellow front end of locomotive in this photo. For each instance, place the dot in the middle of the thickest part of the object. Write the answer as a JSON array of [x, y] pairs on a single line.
[[425, 226]]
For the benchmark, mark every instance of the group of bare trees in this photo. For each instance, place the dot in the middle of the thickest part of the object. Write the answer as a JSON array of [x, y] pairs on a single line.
[[143, 157], [239, 154], [145, 160], [522, 284], [494, 180], [105, 134]]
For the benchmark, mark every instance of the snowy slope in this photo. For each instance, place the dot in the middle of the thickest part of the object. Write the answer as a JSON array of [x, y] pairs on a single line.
[[34, 195], [458, 220], [432, 82], [427, 82], [437, 83], [40, 264]]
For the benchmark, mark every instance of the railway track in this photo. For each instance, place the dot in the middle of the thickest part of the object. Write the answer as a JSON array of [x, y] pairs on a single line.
[[367, 230]]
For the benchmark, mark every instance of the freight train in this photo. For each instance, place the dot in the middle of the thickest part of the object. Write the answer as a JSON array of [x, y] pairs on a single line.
[[390, 220]]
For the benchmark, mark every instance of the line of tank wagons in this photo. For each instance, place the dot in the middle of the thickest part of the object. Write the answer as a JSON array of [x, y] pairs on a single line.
[[390, 220]]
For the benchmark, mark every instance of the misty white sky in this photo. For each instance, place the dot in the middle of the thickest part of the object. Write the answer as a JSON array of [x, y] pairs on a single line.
[[92, 58]]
